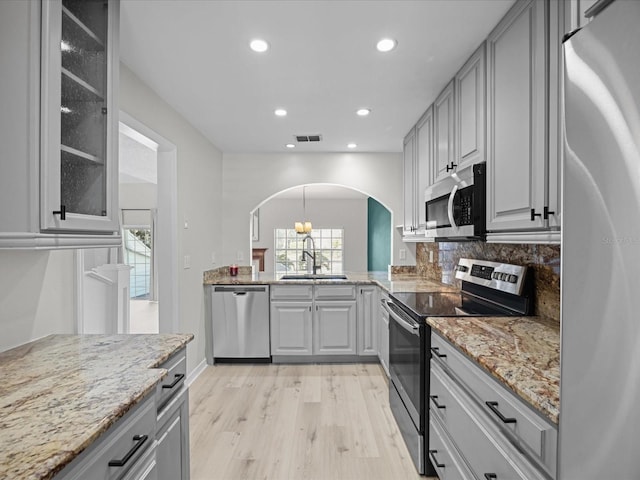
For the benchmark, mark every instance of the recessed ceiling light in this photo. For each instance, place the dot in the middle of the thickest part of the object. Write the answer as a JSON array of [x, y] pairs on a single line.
[[290, 145], [352, 145], [386, 45], [259, 45], [363, 112], [281, 112]]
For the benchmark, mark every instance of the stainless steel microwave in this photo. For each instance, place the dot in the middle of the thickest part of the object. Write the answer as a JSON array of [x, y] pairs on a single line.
[[456, 205]]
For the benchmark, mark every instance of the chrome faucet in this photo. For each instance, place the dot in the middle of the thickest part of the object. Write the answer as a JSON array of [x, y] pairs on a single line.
[[314, 268]]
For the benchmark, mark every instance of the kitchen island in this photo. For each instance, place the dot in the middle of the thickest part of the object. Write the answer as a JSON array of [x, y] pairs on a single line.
[[59, 394]]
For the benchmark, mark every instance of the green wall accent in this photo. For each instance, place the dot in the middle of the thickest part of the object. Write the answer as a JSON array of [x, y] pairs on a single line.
[[378, 237]]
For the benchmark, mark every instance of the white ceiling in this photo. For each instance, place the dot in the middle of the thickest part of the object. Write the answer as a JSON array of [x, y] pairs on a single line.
[[322, 65]]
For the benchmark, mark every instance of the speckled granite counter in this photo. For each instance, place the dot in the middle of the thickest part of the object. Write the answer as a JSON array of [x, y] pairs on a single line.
[[59, 393], [523, 353], [391, 283]]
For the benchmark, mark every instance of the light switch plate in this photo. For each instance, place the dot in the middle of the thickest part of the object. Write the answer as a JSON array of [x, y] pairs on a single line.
[[187, 261], [403, 254]]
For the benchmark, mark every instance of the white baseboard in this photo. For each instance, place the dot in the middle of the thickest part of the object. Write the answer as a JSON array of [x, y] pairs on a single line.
[[195, 373]]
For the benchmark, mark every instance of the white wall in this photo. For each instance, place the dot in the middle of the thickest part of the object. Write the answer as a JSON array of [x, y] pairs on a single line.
[[251, 179], [349, 214], [36, 295], [199, 177]]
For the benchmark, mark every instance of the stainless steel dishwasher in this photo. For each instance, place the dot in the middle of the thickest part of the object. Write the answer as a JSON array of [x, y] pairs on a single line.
[[239, 323]]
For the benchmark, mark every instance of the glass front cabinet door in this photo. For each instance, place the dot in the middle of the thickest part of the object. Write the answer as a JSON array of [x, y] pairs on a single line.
[[79, 116]]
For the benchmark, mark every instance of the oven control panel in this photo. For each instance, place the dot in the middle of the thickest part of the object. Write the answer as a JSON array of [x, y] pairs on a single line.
[[500, 276]]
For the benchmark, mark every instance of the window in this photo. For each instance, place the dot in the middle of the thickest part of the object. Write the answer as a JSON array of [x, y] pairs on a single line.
[[137, 243], [289, 246]]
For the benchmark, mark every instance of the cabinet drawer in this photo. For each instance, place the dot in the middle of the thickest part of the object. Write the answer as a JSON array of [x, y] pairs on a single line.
[[124, 442], [292, 292], [530, 429], [444, 456], [173, 382], [335, 292], [480, 442]]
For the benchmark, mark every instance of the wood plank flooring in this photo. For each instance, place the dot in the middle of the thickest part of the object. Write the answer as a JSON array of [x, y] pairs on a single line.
[[302, 422]]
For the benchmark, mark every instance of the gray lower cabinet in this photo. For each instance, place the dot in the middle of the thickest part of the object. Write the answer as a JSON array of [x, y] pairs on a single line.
[[127, 450], [367, 325], [172, 452], [334, 328], [383, 332], [477, 419], [313, 320]]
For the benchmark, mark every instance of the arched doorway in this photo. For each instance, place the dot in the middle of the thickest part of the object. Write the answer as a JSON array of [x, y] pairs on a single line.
[[351, 231]]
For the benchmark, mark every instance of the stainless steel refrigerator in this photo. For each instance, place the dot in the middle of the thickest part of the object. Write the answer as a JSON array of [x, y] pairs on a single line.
[[599, 429]]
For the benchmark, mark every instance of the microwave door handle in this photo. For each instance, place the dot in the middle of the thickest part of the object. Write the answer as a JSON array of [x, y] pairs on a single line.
[[450, 206]]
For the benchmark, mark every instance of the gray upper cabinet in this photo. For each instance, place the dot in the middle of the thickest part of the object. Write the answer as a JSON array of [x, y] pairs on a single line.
[[418, 156], [470, 131], [409, 225], [424, 160], [517, 115], [444, 133], [79, 115], [59, 172]]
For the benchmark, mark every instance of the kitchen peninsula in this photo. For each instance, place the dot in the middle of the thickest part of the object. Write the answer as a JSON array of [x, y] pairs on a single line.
[[522, 353], [63, 394]]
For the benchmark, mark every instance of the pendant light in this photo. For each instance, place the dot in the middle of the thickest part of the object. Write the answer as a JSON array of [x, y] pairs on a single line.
[[304, 226]]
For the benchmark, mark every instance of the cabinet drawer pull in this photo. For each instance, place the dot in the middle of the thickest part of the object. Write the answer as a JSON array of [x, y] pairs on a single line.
[[490, 476], [436, 352], [140, 440], [493, 406], [432, 455], [177, 378], [434, 399]]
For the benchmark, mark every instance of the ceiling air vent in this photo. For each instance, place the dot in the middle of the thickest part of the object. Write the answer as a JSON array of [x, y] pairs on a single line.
[[308, 138]]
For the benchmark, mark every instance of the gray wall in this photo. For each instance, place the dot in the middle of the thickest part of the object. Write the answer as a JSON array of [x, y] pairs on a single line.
[[323, 213]]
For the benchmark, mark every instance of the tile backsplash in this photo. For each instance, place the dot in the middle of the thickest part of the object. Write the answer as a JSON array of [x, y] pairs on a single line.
[[543, 259]]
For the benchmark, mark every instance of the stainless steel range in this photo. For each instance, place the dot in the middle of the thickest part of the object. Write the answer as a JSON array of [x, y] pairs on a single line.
[[488, 289]]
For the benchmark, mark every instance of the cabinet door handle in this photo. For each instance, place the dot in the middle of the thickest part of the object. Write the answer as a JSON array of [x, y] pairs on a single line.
[[534, 215], [432, 455], [546, 212], [434, 399], [139, 441], [177, 378], [62, 212], [490, 476], [493, 406], [436, 352], [451, 166]]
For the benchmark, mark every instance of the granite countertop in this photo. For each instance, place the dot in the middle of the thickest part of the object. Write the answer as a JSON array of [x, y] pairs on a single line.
[[59, 393], [390, 282], [523, 353]]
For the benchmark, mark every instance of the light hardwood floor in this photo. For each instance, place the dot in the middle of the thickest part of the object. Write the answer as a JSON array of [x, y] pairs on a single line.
[[277, 422]]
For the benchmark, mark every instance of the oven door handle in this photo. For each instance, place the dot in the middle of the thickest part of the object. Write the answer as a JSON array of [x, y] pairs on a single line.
[[413, 329], [450, 207]]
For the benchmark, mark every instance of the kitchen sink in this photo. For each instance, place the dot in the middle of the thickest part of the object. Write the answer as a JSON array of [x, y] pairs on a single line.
[[312, 276]]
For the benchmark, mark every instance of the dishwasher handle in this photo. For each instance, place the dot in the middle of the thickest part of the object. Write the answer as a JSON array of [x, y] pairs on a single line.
[[239, 289]]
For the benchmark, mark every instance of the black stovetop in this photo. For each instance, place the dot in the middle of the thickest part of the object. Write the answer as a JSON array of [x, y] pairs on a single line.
[[428, 304], [473, 302]]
